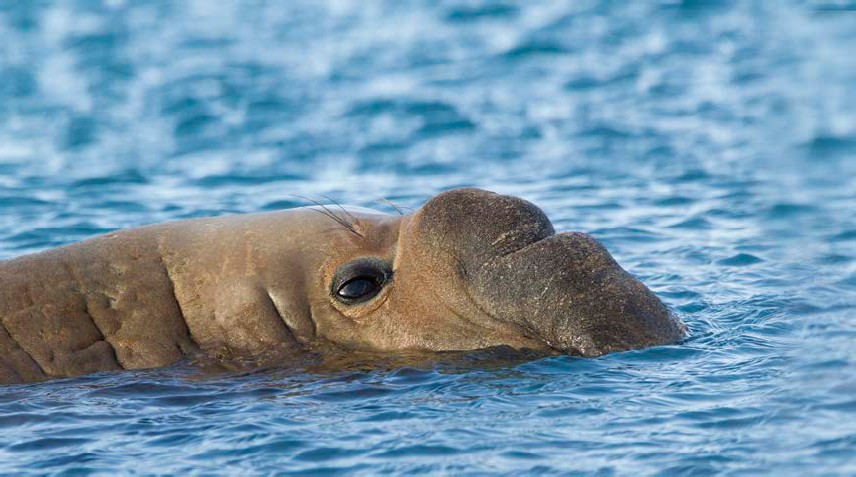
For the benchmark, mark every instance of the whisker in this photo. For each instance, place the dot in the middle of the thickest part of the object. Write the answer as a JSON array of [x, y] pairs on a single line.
[[330, 214], [353, 219], [395, 206]]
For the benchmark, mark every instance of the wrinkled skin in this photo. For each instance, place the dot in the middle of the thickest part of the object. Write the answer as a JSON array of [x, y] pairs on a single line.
[[469, 270]]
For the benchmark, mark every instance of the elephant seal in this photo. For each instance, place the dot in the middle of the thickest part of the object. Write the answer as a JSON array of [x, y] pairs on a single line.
[[470, 269]]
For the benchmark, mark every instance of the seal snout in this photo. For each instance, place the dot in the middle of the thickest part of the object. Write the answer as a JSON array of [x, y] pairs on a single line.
[[564, 288], [569, 290]]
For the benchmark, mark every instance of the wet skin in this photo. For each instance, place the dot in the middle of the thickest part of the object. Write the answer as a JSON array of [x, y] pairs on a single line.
[[469, 270]]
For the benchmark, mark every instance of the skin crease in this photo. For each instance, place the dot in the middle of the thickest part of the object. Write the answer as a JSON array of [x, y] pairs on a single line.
[[261, 285]]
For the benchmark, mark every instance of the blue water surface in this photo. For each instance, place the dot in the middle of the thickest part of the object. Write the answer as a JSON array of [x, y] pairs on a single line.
[[711, 145]]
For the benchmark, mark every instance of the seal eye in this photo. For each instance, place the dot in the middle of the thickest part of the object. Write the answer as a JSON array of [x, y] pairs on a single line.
[[359, 288], [360, 280]]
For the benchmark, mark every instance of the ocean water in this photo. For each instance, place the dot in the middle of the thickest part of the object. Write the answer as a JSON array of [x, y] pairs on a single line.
[[711, 145]]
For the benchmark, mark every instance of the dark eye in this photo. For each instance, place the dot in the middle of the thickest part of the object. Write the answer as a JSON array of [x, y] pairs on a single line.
[[360, 280], [360, 287]]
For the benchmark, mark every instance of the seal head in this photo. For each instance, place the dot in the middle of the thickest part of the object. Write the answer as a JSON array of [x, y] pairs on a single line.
[[473, 269]]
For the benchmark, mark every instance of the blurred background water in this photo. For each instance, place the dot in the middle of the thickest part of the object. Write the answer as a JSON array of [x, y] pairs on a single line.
[[711, 145]]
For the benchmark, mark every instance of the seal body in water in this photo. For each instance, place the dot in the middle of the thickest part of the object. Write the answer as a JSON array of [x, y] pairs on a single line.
[[470, 269]]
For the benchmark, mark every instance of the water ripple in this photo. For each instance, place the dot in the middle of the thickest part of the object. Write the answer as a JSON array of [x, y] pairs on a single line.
[[709, 145]]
